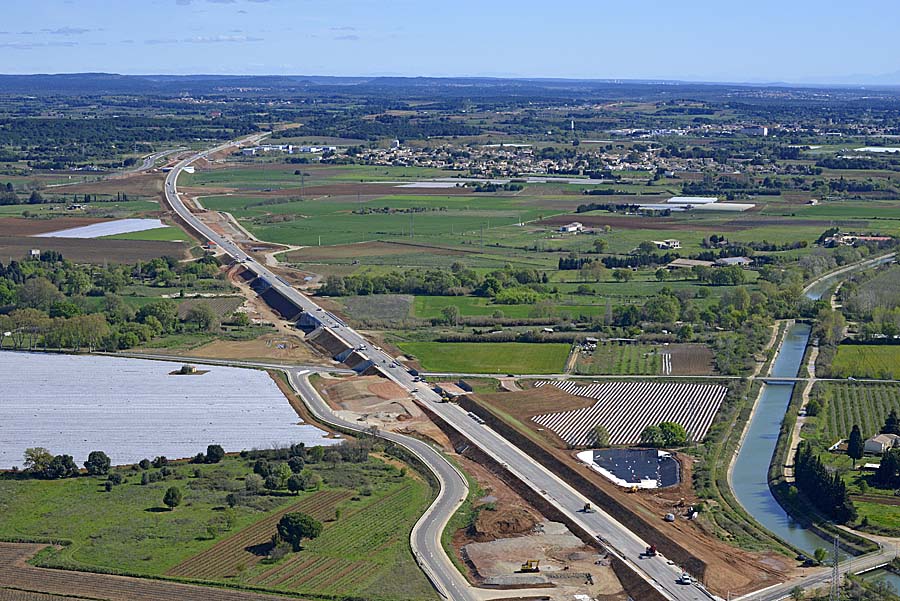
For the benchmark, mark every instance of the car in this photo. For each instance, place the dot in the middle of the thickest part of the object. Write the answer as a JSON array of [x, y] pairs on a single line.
[[414, 390], [685, 579]]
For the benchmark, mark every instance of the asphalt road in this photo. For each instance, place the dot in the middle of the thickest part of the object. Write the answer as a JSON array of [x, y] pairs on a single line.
[[618, 539], [426, 538]]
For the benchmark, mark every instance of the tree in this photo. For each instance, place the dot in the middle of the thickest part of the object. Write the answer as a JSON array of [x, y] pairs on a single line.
[[891, 424], [674, 435], [652, 436], [622, 275], [296, 483], [283, 472], [855, 445], [600, 245], [97, 463], [253, 483], [172, 498], [886, 474], [37, 459], [204, 317], [61, 466], [316, 453], [820, 554], [662, 274], [601, 436], [797, 594], [39, 293], [450, 313], [214, 453], [296, 526]]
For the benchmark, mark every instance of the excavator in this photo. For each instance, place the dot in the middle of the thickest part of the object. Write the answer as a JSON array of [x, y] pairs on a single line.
[[530, 566]]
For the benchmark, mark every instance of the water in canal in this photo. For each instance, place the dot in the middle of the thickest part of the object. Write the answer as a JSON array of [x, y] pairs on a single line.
[[749, 477], [751, 468]]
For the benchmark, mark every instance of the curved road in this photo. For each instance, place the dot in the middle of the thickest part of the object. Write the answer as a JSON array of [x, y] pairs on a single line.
[[426, 541]]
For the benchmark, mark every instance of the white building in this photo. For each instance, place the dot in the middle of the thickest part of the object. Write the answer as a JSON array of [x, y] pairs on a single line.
[[573, 227], [877, 445], [670, 244]]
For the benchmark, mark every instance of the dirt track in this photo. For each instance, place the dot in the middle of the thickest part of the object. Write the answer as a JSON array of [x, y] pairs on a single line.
[[15, 573]]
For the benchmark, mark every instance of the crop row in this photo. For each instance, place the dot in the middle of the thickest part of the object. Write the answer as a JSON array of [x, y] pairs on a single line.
[[224, 558], [626, 408], [866, 405]]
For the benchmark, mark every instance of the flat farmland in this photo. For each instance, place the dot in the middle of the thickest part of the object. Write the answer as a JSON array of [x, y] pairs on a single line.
[[223, 306], [866, 361], [368, 510], [489, 357], [846, 404], [29, 583], [332, 221], [93, 251], [15, 226], [626, 408], [621, 359], [428, 307]]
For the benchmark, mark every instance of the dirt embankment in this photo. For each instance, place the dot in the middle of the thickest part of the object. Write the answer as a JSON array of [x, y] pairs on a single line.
[[722, 567]]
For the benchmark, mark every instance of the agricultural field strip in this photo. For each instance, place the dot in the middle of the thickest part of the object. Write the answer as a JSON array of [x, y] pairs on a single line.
[[864, 405], [106, 228], [625, 408], [220, 559]]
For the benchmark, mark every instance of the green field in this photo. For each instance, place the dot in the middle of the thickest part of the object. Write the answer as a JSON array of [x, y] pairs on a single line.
[[625, 360], [128, 530], [428, 307], [489, 357], [862, 361], [160, 234], [331, 221]]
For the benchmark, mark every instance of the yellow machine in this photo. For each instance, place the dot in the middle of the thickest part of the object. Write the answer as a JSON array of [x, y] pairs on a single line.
[[531, 565]]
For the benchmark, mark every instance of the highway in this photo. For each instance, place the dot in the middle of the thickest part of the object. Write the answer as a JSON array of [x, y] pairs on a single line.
[[618, 539], [426, 537]]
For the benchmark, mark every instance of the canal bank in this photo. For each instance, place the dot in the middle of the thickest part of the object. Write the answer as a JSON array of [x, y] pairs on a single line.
[[748, 474]]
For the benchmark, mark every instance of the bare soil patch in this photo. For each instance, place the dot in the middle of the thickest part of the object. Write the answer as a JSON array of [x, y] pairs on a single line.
[[271, 347], [140, 184], [691, 360], [17, 574], [16, 226], [727, 568], [634, 223], [96, 251]]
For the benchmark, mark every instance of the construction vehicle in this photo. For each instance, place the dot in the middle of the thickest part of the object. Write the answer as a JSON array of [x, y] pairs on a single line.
[[633, 489], [531, 566]]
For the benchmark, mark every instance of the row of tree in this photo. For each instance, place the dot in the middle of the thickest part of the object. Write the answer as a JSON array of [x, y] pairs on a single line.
[[825, 489]]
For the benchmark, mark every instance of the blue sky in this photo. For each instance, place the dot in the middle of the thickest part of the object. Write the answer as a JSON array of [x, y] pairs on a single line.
[[762, 40]]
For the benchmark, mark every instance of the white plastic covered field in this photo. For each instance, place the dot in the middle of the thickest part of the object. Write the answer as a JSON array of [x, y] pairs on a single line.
[[626, 408]]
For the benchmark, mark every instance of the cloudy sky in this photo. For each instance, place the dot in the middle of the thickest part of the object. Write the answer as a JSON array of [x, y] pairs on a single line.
[[711, 40]]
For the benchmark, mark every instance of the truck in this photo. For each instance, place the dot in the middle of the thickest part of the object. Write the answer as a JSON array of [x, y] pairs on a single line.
[[651, 551]]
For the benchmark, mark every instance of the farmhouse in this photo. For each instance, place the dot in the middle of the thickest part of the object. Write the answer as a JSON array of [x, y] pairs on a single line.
[[570, 228], [851, 239], [670, 244], [877, 445]]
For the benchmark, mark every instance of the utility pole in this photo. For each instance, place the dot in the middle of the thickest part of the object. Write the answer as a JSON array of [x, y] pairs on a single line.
[[835, 574], [302, 175]]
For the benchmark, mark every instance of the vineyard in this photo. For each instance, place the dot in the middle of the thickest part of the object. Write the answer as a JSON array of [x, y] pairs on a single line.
[[847, 404], [234, 554], [363, 552], [620, 360], [626, 408]]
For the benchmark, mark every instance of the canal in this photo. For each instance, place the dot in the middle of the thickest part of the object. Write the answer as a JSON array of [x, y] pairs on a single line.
[[749, 477]]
